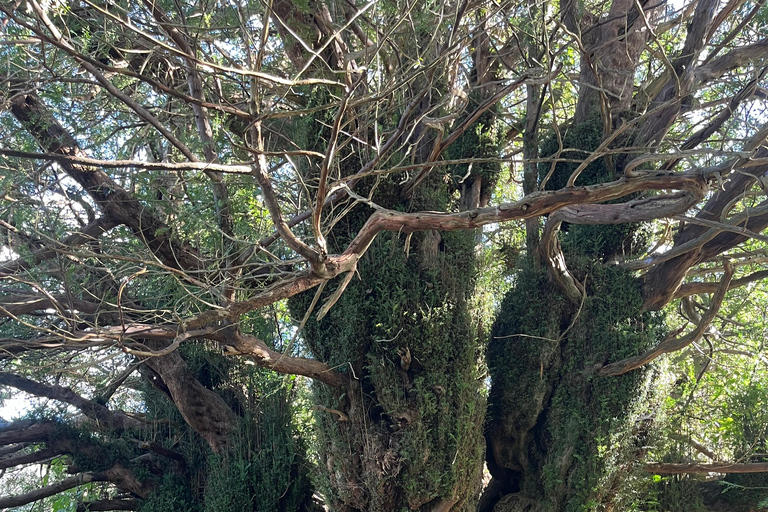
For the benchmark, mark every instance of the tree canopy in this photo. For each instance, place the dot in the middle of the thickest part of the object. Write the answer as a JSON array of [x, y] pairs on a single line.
[[385, 255]]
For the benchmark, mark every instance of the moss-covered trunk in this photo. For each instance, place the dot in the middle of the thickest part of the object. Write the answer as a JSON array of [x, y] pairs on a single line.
[[412, 438], [411, 434], [560, 437]]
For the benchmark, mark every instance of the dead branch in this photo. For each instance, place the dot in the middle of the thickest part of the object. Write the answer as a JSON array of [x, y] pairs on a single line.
[[715, 467], [340, 415]]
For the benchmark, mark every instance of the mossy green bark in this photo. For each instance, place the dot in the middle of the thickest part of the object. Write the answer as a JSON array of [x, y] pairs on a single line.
[[403, 332], [404, 335], [559, 435], [558, 432]]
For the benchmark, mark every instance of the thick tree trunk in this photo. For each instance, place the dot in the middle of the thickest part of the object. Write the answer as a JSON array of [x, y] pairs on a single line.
[[410, 436], [551, 419], [204, 411]]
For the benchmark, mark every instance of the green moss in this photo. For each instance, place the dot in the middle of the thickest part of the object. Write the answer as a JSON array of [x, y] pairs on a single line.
[[264, 469], [566, 420], [414, 432], [579, 141], [432, 412], [171, 494], [482, 139]]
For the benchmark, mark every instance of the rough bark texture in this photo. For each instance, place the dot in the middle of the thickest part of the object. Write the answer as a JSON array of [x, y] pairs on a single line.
[[664, 279], [410, 434], [613, 46], [204, 411], [549, 413]]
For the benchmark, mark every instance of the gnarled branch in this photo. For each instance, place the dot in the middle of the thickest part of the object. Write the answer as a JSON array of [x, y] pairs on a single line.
[[673, 344], [94, 410]]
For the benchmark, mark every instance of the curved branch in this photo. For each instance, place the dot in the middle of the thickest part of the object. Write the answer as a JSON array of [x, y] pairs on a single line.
[[50, 490], [273, 205], [369, 166], [695, 243], [736, 58], [532, 205], [558, 272], [662, 282], [102, 415], [267, 358], [671, 344], [114, 201], [639, 210], [200, 333], [697, 287], [202, 409]]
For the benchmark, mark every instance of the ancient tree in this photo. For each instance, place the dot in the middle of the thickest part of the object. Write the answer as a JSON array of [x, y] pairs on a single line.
[[208, 207]]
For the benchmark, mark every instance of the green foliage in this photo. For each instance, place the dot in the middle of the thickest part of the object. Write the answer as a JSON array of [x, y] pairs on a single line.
[[675, 494], [264, 467], [171, 494], [745, 491], [481, 140], [434, 409], [404, 334]]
